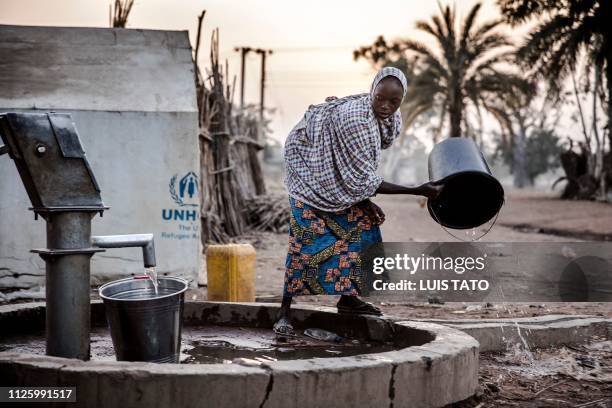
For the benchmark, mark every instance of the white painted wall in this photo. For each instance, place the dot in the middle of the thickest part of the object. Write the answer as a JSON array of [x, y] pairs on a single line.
[[131, 94]]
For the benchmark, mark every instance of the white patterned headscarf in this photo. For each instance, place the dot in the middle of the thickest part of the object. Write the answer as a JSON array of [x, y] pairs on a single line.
[[332, 154], [389, 71]]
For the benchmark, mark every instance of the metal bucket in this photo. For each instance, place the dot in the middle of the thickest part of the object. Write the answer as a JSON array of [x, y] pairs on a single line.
[[471, 195], [145, 326]]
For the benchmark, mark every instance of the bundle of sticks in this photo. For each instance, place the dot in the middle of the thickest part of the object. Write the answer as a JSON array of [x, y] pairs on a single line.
[[269, 212], [230, 168]]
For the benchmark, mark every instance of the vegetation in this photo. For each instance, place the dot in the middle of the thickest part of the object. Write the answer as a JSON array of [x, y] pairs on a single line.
[[569, 35], [464, 70], [473, 69], [542, 149]]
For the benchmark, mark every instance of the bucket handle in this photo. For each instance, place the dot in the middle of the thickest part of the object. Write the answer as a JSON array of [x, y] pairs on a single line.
[[464, 240]]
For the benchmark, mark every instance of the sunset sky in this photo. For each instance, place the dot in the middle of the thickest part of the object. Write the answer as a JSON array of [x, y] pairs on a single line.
[[312, 41]]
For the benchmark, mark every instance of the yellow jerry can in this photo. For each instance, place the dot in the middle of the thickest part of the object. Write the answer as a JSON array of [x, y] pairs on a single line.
[[231, 272]]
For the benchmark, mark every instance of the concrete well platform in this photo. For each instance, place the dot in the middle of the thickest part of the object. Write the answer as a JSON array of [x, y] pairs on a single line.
[[431, 365], [539, 331]]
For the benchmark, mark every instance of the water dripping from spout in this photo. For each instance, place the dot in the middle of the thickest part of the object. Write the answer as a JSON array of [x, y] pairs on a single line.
[[152, 274]]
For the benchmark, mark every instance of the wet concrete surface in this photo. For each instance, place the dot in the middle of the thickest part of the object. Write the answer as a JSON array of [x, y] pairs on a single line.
[[219, 344], [441, 363]]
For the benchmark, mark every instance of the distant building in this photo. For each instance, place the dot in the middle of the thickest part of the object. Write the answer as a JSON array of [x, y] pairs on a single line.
[[132, 96]]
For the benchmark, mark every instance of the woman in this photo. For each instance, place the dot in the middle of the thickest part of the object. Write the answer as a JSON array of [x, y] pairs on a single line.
[[331, 158]]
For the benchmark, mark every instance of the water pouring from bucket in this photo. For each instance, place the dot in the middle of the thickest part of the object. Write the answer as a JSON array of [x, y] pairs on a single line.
[[471, 195]]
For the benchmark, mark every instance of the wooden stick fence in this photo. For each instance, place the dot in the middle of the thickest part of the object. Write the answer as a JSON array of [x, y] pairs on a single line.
[[232, 182]]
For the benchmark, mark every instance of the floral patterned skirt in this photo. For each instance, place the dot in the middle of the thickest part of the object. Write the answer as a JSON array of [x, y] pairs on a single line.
[[325, 249]]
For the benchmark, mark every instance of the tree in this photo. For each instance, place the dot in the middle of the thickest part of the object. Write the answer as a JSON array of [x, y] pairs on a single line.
[[569, 32], [465, 70], [522, 115], [541, 154]]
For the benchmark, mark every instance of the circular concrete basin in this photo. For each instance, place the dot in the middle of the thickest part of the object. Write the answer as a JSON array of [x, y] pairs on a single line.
[[429, 366]]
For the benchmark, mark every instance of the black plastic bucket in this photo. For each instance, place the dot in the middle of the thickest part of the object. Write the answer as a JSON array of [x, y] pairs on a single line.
[[471, 195], [145, 326]]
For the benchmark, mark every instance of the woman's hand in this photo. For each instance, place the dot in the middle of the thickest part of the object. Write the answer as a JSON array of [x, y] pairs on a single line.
[[430, 190], [374, 212]]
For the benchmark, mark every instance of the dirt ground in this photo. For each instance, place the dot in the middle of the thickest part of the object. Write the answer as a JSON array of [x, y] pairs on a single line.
[[523, 217], [407, 219], [572, 376]]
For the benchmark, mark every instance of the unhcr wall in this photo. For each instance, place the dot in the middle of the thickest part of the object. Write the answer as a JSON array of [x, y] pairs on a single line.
[[131, 94]]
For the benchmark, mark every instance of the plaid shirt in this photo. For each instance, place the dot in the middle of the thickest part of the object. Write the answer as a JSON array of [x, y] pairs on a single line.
[[333, 153]]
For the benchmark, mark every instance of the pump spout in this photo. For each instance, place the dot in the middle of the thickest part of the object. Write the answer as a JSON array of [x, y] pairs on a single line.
[[132, 240]]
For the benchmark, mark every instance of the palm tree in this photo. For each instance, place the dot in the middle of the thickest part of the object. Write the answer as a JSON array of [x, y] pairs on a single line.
[[568, 32], [466, 69]]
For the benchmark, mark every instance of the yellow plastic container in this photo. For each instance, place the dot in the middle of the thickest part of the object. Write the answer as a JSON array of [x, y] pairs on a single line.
[[231, 272]]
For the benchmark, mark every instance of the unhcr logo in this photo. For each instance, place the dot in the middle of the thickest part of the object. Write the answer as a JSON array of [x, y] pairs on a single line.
[[187, 189], [184, 192]]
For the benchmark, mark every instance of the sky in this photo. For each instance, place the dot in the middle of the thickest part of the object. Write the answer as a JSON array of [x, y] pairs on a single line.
[[312, 42]]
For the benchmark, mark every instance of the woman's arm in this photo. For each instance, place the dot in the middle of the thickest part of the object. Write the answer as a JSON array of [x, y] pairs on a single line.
[[376, 214], [429, 190]]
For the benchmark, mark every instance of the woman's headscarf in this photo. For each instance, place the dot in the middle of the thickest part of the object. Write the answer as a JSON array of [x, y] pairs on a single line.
[[393, 124], [389, 71], [332, 154]]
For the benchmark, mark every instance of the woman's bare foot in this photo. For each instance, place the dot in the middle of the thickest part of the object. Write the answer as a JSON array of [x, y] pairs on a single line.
[[283, 326]]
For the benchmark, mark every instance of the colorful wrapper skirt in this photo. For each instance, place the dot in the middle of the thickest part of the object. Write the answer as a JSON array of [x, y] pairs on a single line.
[[325, 248]]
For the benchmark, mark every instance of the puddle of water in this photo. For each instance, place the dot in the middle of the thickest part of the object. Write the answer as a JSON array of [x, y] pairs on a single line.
[[218, 344], [209, 345], [211, 352]]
